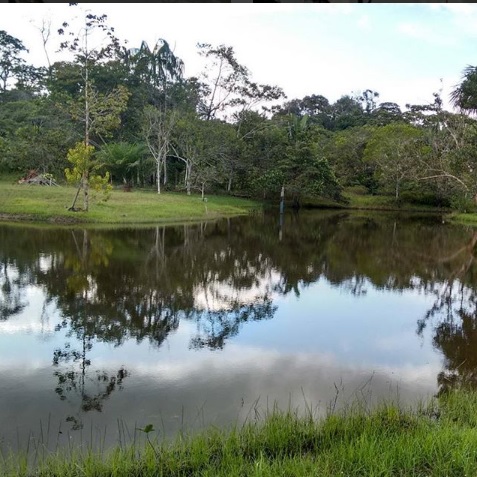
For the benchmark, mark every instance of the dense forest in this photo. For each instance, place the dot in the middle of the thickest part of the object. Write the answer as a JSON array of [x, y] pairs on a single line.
[[128, 117]]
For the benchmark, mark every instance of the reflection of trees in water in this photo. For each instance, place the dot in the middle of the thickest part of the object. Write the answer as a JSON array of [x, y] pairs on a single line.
[[140, 283], [454, 313], [11, 285], [214, 327], [74, 379]]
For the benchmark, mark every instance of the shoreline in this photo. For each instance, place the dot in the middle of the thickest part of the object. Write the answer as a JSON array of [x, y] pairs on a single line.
[[437, 437]]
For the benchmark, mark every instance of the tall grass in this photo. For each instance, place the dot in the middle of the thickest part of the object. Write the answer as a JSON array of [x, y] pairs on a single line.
[[436, 438]]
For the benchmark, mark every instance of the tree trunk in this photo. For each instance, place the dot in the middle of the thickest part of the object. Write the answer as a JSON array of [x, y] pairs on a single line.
[[76, 196], [188, 174], [282, 199], [158, 176], [86, 191]]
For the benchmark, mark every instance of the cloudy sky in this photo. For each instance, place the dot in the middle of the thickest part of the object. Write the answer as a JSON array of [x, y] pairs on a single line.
[[403, 51]]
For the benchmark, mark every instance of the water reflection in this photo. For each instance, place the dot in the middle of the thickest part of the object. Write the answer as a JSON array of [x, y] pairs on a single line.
[[454, 319], [204, 285]]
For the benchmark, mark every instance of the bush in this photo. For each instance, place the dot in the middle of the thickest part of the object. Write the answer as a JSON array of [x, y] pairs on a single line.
[[358, 190], [424, 198], [463, 204]]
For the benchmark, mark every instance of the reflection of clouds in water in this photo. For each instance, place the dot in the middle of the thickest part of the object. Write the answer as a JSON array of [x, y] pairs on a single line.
[[220, 389], [28, 325], [220, 295], [37, 317], [281, 369]]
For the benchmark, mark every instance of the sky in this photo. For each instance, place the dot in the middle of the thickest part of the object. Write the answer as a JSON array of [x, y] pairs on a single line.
[[405, 51]]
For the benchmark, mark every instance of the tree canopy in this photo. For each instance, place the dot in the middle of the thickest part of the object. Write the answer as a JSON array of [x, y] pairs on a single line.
[[222, 131]]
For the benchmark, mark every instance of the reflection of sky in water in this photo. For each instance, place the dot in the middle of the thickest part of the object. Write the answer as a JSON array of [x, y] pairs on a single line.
[[323, 337], [375, 329], [378, 328]]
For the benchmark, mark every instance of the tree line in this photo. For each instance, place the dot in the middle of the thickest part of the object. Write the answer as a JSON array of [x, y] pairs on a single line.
[[114, 115]]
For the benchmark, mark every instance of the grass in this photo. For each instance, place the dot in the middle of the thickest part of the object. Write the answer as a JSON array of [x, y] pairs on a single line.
[[467, 218], [43, 204], [385, 202], [438, 438], [50, 204]]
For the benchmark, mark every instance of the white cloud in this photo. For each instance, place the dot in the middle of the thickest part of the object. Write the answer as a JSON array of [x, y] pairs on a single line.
[[303, 48], [425, 33]]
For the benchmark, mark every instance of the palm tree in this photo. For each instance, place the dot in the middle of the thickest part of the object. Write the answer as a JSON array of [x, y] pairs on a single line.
[[464, 96], [157, 66]]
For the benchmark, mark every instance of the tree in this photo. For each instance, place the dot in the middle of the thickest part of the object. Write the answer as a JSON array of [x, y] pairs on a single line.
[[126, 161], [344, 152], [227, 85], [395, 149], [99, 112], [81, 158], [307, 173], [386, 113], [157, 132], [369, 100], [452, 140], [11, 63], [155, 68], [347, 112], [464, 95]]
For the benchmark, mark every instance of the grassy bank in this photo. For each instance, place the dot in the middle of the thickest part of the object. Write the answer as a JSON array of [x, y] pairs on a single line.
[[463, 218], [45, 204], [50, 204], [386, 202], [435, 439]]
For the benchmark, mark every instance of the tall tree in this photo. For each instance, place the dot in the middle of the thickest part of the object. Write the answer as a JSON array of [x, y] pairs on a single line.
[[100, 113], [11, 62], [464, 95], [396, 149], [347, 112], [157, 132], [156, 67], [227, 85]]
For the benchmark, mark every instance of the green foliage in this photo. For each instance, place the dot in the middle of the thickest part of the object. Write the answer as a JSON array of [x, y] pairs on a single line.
[[435, 438], [345, 153], [358, 190], [463, 203], [11, 63], [268, 185], [84, 169], [127, 162], [307, 174], [396, 150], [464, 96], [81, 158], [226, 137]]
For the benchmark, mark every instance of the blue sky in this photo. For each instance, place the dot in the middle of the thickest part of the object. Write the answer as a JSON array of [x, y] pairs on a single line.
[[402, 51]]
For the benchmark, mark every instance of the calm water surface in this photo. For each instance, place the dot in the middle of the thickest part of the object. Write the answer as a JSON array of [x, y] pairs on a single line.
[[103, 331]]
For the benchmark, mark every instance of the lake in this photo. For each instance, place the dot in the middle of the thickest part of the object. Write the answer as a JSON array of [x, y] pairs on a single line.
[[103, 331]]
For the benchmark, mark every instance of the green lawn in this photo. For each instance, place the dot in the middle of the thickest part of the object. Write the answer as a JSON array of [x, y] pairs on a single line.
[[385, 202], [50, 204], [44, 204]]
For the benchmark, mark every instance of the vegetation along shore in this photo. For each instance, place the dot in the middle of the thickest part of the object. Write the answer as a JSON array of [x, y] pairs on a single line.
[[108, 116], [436, 438]]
